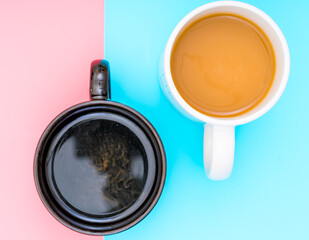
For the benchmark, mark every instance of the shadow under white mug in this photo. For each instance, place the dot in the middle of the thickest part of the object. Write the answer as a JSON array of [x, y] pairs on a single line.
[[219, 133]]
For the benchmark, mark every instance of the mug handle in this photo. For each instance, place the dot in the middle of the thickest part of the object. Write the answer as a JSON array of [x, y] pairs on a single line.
[[100, 80], [219, 146]]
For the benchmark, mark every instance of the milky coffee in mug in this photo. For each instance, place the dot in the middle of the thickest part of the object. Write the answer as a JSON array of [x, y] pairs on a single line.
[[223, 65], [226, 63]]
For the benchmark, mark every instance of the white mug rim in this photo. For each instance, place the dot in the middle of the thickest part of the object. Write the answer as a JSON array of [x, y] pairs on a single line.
[[242, 118]]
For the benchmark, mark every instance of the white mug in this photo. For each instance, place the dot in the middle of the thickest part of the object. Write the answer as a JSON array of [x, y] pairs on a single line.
[[219, 133]]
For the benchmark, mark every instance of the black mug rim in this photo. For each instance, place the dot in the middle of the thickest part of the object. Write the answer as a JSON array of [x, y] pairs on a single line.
[[140, 213]]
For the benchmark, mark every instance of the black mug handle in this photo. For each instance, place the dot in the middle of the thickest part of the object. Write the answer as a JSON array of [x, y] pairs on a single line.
[[100, 80]]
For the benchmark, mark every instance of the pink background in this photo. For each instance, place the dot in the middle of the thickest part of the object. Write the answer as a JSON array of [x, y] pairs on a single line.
[[45, 52]]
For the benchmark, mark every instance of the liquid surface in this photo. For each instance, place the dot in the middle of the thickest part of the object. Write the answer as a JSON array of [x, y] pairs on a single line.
[[100, 166], [222, 65]]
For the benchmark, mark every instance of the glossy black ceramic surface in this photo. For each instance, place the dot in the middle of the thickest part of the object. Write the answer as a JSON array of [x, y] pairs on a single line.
[[99, 166]]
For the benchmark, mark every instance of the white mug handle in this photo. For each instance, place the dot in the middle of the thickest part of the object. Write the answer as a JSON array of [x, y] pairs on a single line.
[[219, 145]]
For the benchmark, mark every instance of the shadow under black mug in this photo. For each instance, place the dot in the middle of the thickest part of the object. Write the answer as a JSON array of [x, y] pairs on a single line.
[[99, 166]]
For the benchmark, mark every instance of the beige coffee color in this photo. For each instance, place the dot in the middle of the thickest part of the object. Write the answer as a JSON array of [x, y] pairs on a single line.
[[223, 65]]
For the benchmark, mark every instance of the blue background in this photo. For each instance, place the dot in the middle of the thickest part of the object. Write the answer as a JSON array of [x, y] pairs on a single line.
[[267, 195]]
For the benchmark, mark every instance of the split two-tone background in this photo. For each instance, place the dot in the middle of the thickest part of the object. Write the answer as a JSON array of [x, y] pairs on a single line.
[[45, 52]]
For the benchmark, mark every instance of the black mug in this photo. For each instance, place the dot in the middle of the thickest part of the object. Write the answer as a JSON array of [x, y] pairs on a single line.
[[99, 166]]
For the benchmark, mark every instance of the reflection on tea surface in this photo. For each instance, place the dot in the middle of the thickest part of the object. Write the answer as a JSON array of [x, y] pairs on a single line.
[[99, 167]]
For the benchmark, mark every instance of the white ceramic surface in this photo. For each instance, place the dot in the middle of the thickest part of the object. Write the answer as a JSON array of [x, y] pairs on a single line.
[[219, 133]]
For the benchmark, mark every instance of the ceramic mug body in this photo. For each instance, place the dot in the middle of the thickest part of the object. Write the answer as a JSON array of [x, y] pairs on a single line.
[[100, 166], [219, 134]]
